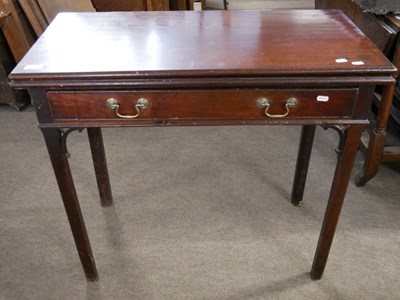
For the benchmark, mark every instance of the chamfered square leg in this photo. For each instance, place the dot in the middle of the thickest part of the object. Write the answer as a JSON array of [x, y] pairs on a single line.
[[100, 165], [303, 161], [336, 197], [59, 160]]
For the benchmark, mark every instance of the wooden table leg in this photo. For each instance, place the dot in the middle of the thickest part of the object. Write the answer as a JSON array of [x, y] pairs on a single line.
[[100, 165], [303, 161], [336, 197], [377, 138], [59, 160]]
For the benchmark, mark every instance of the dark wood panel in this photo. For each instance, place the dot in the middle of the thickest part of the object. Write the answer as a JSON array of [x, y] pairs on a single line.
[[120, 5], [374, 28], [141, 5], [171, 43], [215, 104], [16, 98], [16, 29]]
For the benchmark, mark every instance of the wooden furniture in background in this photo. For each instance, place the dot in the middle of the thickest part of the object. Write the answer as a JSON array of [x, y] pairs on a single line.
[[393, 20], [376, 149], [181, 4], [130, 5], [41, 12], [17, 36], [382, 35], [16, 28], [384, 32], [35, 15], [51, 8], [224, 4], [142, 5], [142, 77], [7, 63]]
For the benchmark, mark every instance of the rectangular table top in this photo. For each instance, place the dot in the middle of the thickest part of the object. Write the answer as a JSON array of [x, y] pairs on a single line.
[[201, 44]]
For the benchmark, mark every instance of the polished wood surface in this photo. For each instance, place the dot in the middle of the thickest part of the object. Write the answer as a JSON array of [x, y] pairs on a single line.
[[244, 43], [211, 104], [318, 60], [373, 27]]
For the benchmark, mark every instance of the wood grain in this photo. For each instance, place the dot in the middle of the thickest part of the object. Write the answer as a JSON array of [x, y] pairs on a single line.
[[243, 43], [35, 15], [16, 29]]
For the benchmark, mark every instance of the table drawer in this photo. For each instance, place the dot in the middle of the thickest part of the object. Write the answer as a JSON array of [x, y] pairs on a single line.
[[202, 104]]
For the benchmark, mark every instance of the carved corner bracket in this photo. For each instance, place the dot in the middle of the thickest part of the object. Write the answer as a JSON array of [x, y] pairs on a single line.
[[64, 132], [342, 132]]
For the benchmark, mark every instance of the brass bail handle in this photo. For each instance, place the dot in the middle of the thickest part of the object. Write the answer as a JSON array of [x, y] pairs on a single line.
[[141, 104], [264, 103]]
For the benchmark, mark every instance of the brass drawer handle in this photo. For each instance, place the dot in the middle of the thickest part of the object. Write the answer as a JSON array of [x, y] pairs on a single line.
[[264, 103], [141, 103]]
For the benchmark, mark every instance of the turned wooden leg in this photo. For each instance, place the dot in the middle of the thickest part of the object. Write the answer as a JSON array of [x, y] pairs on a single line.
[[377, 140], [303, 161], [59, 160], [336, 197], [100, 165]]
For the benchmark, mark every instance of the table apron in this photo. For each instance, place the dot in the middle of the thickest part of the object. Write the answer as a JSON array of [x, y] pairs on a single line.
[[201, 107]]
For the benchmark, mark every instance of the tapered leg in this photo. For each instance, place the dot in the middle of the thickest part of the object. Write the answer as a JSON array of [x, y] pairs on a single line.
[[303, 161], [377, 138], [100, 165], [336, 197], [66, 185]]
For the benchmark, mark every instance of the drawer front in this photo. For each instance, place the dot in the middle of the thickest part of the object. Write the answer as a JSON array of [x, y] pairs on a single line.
[[202, 104]]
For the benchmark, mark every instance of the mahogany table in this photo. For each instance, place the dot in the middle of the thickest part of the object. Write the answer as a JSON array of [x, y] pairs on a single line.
[[306, 67]]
